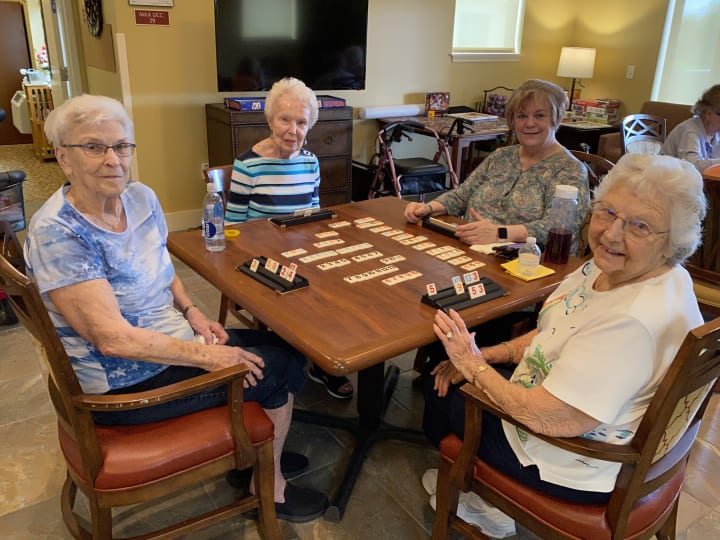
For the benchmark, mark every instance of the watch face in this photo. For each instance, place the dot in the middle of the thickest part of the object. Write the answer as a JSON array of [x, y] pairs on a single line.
[[502, 233], [93, 16]]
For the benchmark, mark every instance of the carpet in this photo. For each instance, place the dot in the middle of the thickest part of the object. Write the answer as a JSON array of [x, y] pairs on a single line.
[[43, 178]]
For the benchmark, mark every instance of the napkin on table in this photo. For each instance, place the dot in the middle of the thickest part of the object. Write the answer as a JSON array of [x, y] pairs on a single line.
[[511, 267]]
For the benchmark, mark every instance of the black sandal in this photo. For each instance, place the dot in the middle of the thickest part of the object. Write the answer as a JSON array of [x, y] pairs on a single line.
[[333, 384]]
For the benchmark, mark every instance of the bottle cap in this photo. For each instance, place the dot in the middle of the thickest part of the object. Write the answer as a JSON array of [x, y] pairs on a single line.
[[566, 192], [530, 240], [232, 233], [212, 188]]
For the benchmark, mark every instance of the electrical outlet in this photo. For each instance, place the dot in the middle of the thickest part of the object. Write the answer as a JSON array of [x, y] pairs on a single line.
[[630, 73], [203, 166]]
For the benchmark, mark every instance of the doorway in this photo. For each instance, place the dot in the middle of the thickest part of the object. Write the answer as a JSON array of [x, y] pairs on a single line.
[[25, 28], [15, 55]]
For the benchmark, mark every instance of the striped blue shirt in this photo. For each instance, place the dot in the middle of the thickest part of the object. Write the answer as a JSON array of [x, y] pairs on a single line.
[[266, 187]]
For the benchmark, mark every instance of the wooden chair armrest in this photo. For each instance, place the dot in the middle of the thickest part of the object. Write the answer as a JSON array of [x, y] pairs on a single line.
[[578, 445], [139, 400]]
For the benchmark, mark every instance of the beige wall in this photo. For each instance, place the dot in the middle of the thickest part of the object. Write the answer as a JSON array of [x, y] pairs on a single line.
[[171, 72]]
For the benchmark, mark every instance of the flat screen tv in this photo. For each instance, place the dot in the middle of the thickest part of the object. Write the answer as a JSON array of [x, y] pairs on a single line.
[[321, 42]]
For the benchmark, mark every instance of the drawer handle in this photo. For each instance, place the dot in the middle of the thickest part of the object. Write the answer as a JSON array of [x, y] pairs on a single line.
[[329, 140]]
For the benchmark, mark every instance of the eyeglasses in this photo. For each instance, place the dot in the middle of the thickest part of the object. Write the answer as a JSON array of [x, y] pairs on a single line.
[[636, 228], [99, 150]]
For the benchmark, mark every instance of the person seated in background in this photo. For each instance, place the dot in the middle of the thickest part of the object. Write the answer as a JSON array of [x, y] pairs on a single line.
[[97, 251], [697, 139], [508, 196], [605, 338], [278, 176]]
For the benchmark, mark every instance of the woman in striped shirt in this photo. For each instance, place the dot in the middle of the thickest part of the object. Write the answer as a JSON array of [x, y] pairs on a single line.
[[278, 176]]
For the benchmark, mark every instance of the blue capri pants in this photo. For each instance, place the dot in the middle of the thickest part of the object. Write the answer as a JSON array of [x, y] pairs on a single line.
[[283, 373]]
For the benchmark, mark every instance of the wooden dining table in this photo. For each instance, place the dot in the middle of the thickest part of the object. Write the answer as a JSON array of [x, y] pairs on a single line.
[[347, 327]]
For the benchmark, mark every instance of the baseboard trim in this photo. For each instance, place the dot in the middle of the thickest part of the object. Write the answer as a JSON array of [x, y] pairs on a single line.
[[181, 221]]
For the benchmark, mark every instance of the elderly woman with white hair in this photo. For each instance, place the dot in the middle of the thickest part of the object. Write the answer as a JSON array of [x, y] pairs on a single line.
[[97, 251], [278, 176], [605, 338]]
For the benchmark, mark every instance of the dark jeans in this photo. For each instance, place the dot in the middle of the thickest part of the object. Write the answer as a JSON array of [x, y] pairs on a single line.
[[447, 415], [283, 373]]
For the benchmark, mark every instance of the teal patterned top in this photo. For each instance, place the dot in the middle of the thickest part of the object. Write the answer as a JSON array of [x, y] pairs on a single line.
[[501, 192]]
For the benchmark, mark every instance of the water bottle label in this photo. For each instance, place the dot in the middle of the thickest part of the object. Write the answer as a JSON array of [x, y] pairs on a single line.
[[210, 229]]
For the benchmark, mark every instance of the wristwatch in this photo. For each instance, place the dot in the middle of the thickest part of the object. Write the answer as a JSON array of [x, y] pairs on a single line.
[[502, 233]]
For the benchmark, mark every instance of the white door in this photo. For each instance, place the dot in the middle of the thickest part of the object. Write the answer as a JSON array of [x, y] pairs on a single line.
[[63, 49]]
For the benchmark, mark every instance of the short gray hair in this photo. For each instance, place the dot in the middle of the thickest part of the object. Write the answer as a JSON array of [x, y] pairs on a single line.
[[290, 86], [537, 89], [674, 182], [85, 110], [710, 101]]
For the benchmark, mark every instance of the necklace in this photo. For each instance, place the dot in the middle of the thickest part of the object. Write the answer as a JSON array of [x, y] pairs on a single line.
[[99, 218], [116, 222]]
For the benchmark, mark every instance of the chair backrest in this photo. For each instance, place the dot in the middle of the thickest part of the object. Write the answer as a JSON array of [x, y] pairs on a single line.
[[27, 304], [670, 425], [643, 133], [495, 100], [220, 176], [596, 166], [674, 113], [10, 247]]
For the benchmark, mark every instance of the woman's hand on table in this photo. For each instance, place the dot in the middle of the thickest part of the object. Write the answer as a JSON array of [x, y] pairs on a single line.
[[415, 211], [477, 231]]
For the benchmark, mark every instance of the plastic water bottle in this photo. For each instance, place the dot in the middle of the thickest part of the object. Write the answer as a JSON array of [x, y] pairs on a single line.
[[563, 224], [529, 257], [213, 222]]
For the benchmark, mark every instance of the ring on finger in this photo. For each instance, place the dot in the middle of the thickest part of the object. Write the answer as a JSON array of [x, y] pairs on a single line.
[[450, 335]]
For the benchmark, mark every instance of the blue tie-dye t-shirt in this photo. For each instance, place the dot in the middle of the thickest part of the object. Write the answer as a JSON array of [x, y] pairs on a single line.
[[63, 248]]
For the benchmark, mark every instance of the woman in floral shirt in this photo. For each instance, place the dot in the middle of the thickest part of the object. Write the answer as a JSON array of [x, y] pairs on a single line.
[[508, 197]]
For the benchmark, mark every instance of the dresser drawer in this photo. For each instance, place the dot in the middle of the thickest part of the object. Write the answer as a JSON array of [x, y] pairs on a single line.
[[330, 139], [334, 173]]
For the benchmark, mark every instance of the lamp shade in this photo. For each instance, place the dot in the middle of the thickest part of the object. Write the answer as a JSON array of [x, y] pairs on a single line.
[[576, 62]]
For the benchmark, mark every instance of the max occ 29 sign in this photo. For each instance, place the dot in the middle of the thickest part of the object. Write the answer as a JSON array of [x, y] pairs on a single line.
[[148, 17]]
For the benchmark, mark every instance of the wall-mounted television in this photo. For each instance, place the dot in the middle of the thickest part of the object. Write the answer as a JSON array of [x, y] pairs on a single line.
[[321, 42]]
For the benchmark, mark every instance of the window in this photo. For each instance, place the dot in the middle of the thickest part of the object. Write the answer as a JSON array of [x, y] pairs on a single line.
[[689, 59], [487, 30]]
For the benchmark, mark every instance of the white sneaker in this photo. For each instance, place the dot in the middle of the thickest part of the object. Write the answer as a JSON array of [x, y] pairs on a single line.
[[484, 516], [429, 481]]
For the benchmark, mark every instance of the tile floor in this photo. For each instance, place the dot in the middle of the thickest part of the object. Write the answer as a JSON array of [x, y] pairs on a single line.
[[388, 500]]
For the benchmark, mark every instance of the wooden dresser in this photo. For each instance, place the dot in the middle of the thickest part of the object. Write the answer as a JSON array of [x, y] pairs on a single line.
[[231, 132]]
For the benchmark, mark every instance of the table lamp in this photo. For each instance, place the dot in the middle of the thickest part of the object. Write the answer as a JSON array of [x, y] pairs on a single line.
[[578, 63]]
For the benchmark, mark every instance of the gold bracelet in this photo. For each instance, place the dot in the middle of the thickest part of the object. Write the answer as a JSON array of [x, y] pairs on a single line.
[[510, 351], [186, 309], [482, 367]]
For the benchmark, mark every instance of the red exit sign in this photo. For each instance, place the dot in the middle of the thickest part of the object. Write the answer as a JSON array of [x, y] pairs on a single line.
[[144, 16]]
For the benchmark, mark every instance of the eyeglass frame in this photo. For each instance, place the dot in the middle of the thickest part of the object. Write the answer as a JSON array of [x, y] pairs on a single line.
[[85, 148], [610, 211]]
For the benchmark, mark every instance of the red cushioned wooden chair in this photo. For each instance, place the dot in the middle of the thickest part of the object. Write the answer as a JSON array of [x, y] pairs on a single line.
[[124, 465], [644, 501]]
